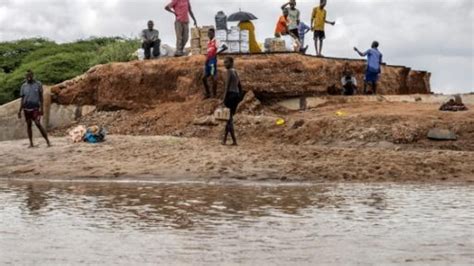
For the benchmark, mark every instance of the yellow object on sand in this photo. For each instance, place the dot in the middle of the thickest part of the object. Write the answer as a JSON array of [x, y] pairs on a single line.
[[253, 45], [280, 122], [341, 113]]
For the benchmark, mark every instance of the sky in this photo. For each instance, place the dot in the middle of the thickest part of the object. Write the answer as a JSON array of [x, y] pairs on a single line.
[[432, 35]]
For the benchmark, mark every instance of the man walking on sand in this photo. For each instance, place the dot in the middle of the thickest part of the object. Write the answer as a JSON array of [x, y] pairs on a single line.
[[181, 9], [151, 39], [31, 104], [318, 22], [374, 62]]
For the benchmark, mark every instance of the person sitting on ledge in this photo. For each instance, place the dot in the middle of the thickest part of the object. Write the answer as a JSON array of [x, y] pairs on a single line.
[[151, 40], [349, 82]]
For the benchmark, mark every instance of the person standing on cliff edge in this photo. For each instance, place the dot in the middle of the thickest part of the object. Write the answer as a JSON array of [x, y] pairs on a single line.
[[181, 9], [31, 104], [374, 62], [318, 22]]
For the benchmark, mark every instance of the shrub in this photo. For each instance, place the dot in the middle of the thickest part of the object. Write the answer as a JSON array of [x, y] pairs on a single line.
[[120, 51], [54, 63]]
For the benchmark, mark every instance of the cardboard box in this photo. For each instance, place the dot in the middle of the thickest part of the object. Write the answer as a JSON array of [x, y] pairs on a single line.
[[204, 51], [204, 44], [277, 45], [244, 35], [195, 33], [234, 47], [222, 113], [195, 44], [244, 47], [221, 34], [196, 51]]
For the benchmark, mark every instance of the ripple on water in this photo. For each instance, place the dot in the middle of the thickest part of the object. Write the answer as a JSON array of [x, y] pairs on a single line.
[[96, 223]]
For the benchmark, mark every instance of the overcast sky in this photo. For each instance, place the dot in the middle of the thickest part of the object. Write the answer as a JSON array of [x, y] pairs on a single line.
[[431, 35]]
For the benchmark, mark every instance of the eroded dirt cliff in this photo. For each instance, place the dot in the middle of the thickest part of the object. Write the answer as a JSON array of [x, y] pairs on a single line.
[[135, 85]]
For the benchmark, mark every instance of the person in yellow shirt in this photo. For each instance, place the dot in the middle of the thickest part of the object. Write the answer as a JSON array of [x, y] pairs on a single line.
[[318, 21], [253, 45]]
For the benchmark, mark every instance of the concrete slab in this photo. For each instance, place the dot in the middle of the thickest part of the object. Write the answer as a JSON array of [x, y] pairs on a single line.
[[314, 102]]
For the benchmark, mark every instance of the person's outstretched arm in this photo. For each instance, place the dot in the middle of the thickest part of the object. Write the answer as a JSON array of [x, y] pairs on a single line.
[[359, 52], [284, 5], [331, 22], [192, 15]]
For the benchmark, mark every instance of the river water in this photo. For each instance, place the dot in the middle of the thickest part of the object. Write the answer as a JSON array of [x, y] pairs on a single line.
[[53, 223]]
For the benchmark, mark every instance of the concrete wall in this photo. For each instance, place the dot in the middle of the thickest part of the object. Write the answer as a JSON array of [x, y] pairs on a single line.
[[55, 116], [313, 102]]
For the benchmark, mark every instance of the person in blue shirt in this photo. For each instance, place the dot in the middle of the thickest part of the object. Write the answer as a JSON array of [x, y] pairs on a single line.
[[374, 62], [302, 30]]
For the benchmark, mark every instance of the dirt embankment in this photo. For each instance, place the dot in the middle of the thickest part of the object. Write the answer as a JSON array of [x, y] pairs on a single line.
[[136, 85], [360, 141]]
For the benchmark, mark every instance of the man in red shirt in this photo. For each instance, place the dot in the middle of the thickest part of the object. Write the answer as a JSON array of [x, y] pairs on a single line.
[[181, 9], [210, 67]]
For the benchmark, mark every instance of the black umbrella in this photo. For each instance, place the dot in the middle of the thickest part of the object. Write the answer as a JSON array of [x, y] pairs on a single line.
[[241, 16]]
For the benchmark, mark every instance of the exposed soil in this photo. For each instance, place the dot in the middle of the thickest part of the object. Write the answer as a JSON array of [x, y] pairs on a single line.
[[369, 142], [138, 84], [160, 127]]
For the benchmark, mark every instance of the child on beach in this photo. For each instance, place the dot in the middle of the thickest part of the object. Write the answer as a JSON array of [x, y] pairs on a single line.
[[232, 96], [210, 67]]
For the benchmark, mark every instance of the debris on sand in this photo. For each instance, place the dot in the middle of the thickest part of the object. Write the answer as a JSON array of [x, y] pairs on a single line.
[[441, 134], [453, 104]]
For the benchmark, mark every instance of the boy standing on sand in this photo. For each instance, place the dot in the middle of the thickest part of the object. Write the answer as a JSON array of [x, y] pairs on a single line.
[[210, 68], [232, 96], [31, 104], [374, 62], [181, 9], [318, 21]]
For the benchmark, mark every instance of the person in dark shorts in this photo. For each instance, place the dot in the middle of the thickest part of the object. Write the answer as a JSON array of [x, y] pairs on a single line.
[[374, 66], [150, 38], [31, 104], [232, 98], [210, 67], [318, 22]]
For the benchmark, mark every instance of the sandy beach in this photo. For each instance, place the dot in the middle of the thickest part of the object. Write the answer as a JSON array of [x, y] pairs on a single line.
[[186, 159]]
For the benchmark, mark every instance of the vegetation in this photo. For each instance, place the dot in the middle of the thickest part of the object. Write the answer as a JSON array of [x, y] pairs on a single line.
[[53, 63]]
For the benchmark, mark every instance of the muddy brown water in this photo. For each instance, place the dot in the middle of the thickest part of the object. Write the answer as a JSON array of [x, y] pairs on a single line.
[[226, 224]]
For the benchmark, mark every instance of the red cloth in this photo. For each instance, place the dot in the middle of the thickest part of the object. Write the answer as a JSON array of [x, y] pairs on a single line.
[[212, 49], [281, 26], [33, 114], [181, 8]]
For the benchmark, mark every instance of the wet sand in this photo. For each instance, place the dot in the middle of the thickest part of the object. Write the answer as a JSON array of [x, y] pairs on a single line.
[[186, 159]]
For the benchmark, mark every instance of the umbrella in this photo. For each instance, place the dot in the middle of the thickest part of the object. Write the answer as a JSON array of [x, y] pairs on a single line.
[[241, 16]]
